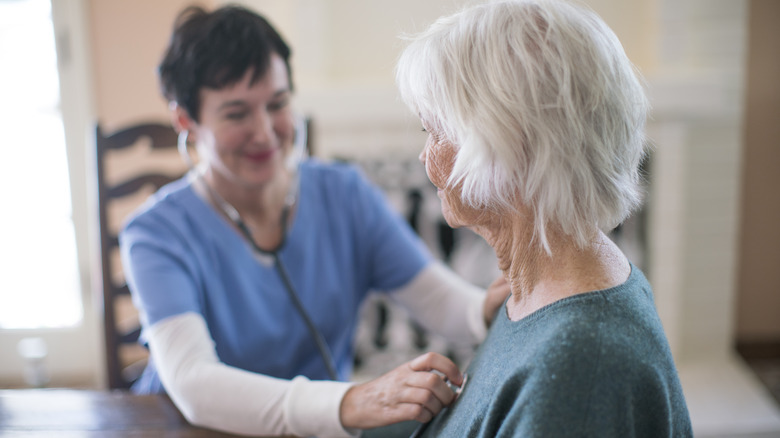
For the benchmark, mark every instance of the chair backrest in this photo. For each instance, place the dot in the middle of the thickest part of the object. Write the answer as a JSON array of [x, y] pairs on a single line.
[[132, 163]]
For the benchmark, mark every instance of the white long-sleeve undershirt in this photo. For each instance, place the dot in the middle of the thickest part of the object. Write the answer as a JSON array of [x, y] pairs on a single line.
[[444, 303], [212, 394]]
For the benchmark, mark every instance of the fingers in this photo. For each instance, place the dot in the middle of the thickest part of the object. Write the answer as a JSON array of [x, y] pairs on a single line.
[[413, 391], [416, 412], [429, 403], [430, 372], [437, 362], [431, 390]]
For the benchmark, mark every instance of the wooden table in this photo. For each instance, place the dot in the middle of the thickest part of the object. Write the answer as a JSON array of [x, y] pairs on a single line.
[[66, 413]]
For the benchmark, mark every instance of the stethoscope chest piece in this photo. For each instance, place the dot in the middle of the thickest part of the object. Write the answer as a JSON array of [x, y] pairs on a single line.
[[458, 389]]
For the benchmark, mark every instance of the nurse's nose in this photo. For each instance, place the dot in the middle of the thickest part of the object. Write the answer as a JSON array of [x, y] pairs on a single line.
[[263, 129]]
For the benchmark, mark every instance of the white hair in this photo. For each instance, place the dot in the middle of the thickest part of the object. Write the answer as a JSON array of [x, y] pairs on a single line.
[[543, 107]]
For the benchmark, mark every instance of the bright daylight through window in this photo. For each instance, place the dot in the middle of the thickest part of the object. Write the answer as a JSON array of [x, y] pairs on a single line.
[[39, 283]]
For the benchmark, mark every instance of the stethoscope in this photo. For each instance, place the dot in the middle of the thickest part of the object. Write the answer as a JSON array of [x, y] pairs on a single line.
[[297, 155]]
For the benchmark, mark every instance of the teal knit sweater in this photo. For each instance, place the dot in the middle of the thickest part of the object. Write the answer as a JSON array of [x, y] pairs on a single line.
[[592, 365]]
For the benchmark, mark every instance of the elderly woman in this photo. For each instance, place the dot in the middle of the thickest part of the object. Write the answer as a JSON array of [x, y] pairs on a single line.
[[535, 122]]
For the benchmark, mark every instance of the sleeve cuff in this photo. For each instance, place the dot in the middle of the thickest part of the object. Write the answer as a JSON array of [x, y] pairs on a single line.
[[313, 408]]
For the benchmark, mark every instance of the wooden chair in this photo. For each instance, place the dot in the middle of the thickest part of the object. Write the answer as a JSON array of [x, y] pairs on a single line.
[[132, 163]]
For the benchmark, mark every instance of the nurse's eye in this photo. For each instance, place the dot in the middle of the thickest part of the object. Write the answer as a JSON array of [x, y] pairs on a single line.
[[278, 105], [237, 115]]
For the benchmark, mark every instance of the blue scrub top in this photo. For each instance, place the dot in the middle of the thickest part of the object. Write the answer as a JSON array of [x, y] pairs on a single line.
[[180, 255]]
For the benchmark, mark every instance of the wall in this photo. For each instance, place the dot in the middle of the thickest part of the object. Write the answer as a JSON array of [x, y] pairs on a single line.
[[758, 300], [698, 106], [353, 43], [697, 126], [128, 39], [345, 52]]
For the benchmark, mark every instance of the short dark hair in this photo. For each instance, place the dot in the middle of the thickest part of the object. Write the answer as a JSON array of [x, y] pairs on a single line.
[[215, 49]]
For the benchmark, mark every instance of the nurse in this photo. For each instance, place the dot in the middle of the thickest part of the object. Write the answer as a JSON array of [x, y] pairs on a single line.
[[249, 272]]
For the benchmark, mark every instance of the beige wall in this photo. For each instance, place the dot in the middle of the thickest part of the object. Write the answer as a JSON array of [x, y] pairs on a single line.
[[339, 45], [345, 52], [355, 42], [758, 299], [128, 39]]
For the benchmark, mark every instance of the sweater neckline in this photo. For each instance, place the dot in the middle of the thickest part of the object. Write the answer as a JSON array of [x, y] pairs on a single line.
[[633, 277]]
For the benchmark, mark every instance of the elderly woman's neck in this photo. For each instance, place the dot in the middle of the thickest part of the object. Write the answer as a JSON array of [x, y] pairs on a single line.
[[538, 279]]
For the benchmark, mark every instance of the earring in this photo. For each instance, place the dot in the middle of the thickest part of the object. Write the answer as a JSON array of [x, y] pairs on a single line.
[[299, 150], [182, 146]]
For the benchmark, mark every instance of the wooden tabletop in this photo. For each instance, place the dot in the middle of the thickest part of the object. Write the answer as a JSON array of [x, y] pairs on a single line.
[[65, 413]]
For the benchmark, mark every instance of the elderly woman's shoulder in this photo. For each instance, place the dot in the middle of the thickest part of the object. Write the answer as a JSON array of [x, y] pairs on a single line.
[[595, 326]]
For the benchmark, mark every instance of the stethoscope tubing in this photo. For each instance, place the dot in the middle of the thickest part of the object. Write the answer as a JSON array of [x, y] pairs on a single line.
[[235, 217]]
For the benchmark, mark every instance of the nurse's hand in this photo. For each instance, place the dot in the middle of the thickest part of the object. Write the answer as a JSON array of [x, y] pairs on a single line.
[[494, 297], [409, 392]]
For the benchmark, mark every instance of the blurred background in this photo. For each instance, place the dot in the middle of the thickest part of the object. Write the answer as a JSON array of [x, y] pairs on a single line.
[[707, 237]]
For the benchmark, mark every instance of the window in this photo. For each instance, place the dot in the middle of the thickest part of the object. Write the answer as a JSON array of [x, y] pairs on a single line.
[[39, 282]]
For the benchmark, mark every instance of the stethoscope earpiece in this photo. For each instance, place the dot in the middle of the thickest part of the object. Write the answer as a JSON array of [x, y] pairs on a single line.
[[181, 144]]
